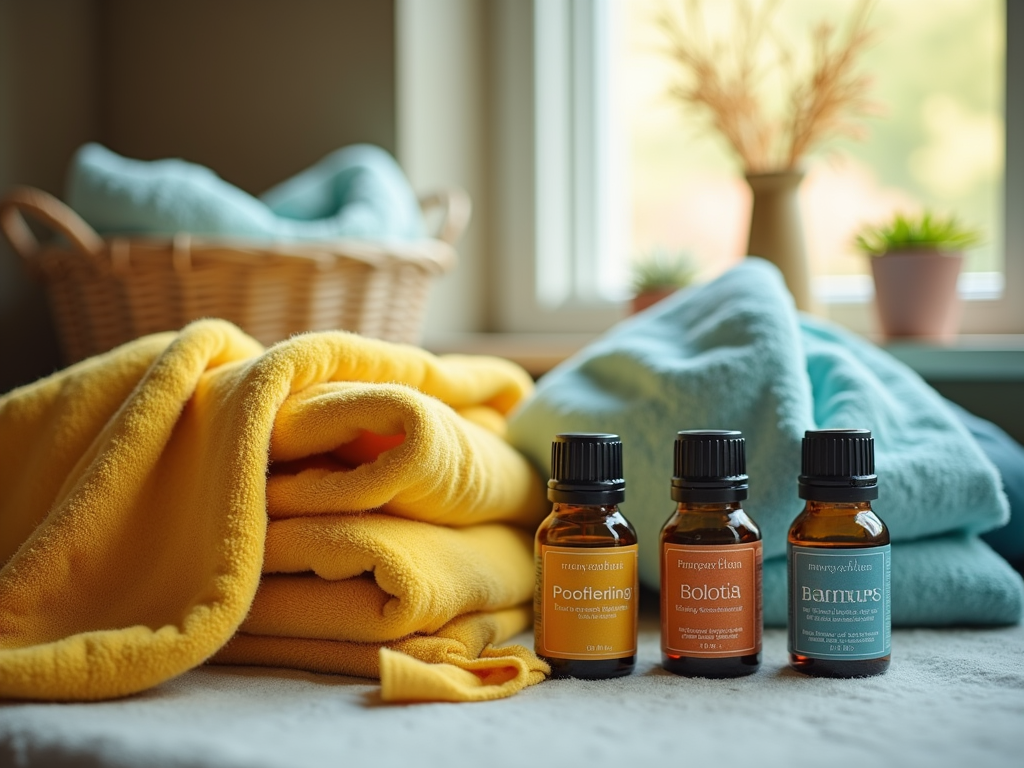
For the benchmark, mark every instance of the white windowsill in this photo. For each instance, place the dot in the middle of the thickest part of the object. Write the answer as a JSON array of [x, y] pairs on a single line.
[[991, 357], [983, 357], [536, 352]]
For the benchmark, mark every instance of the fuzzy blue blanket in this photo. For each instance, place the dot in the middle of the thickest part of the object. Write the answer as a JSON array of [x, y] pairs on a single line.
[[356, 192], [735, 354]]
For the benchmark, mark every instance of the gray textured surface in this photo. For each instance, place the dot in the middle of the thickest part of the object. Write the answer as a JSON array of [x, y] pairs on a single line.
[[951, 698]]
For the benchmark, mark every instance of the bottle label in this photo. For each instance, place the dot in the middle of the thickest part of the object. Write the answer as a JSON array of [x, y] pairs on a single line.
[[839, 605], [587, 600], [711, 599]]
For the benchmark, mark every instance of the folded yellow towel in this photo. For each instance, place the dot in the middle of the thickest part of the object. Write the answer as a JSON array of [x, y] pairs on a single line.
[[375, 578], [456, 663], [326, 451], [134, 512]]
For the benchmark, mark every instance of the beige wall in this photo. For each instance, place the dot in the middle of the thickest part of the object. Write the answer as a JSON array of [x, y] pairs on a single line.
[[47, 108], [255, 89], [444, 137]]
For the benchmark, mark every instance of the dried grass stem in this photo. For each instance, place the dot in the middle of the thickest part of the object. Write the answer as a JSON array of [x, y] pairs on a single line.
[[726, 80]]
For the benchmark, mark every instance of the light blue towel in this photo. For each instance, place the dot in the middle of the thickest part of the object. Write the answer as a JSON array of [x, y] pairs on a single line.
[[1008, 456], [734, 354], [355, 192]]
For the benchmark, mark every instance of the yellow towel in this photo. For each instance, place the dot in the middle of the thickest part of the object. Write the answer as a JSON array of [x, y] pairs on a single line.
[[134, 512], [456, 663], [423, 576]]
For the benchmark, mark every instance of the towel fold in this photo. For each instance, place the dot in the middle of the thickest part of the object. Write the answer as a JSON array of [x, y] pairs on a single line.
[[734, 354], [377, 578], [134, 522], [355, 192], [943, 581], [459, 662], [348, 446]]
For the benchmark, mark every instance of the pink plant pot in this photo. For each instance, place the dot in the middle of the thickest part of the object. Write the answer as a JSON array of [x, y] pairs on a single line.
[[915, 294]]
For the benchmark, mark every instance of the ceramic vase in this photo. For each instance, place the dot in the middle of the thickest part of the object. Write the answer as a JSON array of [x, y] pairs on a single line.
[[776, 233], [916, 295]]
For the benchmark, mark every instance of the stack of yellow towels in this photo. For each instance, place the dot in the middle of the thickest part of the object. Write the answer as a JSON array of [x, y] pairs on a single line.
[[334, 503]]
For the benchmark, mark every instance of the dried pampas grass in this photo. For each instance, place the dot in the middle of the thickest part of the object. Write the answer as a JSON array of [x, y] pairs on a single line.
[[728, 79]]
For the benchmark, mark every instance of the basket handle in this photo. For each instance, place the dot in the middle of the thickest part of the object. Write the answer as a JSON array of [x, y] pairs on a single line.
[[456, 210], [48, 209]]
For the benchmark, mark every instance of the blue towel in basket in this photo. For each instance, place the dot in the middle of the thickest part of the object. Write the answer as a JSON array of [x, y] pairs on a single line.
[[735, 354], [355, 192]]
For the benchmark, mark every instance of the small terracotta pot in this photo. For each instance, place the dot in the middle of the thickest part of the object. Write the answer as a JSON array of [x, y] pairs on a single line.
[[646, 299], [915, 294]]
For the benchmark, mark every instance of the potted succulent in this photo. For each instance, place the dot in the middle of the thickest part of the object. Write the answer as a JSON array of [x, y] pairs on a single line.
[[915, 263], [658, 274]]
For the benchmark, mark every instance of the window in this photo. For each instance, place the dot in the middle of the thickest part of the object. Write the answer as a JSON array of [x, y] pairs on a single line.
[[560, 196], [574, 234]]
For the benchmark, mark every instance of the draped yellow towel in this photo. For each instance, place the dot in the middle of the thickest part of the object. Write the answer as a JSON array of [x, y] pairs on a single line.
[[137, 488]]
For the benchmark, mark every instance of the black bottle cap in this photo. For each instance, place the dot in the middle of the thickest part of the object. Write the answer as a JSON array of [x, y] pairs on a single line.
[[838, 465], [586, 468], [710, 466]]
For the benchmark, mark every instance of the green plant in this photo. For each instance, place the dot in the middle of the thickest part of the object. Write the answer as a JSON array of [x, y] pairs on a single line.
[[905, 232], [661, 268]]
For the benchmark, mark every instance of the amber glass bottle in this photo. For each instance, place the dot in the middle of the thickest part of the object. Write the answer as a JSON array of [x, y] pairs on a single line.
[[839, 603], [586, 552], [710, 562]]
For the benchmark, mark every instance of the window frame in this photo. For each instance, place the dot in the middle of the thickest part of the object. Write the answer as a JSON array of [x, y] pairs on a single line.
[[554, 228], [553, 223]]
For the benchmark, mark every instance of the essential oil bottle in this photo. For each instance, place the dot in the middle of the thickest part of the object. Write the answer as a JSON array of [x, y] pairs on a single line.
[[711, 604], [586, 594], [839, 603]]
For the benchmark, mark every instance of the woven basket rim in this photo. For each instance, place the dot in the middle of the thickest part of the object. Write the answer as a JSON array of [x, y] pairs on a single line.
[[433, 256]]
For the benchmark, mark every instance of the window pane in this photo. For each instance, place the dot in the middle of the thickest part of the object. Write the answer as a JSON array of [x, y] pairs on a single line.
[[937, 69]]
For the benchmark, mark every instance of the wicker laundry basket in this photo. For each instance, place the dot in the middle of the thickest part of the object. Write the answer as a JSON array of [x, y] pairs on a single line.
[[104, 292]]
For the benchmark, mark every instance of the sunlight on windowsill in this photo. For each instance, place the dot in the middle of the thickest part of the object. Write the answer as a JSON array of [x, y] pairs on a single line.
[[973, 357]]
